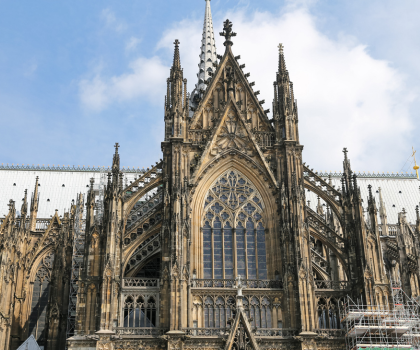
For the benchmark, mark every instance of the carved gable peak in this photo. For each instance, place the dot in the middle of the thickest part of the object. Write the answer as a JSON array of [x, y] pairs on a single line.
[[241, 336], [232, 135], [229, 82]]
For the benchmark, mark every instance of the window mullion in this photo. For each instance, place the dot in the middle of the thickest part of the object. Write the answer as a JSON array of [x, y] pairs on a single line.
[[223, 253], [246, 251], [212, 251], [256, 251], [235, 255]]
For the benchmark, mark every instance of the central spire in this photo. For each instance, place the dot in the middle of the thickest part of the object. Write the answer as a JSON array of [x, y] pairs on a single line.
[[207, 55]]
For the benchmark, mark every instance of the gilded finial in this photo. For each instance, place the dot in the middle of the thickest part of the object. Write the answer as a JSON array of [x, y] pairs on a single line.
[[415, 167]]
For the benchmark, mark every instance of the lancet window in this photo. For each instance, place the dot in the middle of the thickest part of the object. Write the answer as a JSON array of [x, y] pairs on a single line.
[[233, 229], [40, 293], [140, 310], [328, 313]]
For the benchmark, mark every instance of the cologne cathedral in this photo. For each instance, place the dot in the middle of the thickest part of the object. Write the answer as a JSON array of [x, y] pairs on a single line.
[[229, 242]]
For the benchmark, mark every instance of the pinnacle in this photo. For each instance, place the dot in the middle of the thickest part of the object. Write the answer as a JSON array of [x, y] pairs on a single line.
[[282, 61], [177, 60]]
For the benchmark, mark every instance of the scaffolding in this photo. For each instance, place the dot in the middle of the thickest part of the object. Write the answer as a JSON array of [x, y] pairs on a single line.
[[390, 325], [77, 262]]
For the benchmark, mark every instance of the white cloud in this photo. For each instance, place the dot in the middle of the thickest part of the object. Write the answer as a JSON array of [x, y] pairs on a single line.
[[346, 98], [30, 69], [132, 43], [112, 21], [146, 78]]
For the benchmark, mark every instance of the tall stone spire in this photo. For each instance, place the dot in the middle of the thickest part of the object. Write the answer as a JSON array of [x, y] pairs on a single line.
[[207, 56]]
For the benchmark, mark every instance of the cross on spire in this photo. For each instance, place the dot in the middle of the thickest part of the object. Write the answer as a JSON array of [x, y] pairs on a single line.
[[281, 47], [227, 33], [177, 42], [117, 145]]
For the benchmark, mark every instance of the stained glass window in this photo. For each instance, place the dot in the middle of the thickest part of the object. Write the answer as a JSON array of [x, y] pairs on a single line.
[[233, 229]]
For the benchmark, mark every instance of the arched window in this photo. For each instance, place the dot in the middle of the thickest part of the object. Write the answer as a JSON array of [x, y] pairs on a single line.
[[233, 226], [140, 311], [40, 293], [328, 313]]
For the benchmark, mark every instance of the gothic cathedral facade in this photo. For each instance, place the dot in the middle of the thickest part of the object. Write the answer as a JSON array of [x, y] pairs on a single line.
[[215, 246]]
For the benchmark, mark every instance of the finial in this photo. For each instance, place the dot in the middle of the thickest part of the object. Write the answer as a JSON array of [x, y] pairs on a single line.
[[227, 33], [117, 145], [345, 152], [281, 48], [370, 191], [415, 167], [177, 59]]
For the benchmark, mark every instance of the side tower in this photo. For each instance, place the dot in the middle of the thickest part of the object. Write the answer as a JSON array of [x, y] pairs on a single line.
[[294, 235]]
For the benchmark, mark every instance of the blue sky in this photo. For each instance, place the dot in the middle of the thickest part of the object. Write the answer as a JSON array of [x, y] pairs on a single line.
[[78, 76]]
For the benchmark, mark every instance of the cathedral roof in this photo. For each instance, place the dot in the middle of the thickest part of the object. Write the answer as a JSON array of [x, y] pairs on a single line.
[[399, 191], [58, 185]]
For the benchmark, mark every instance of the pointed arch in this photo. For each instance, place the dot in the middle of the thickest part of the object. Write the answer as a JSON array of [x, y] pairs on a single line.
[[261, 186]]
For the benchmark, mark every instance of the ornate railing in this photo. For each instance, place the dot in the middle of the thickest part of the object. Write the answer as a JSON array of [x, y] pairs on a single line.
[[264, 138], [198, 137], [231, 283], [140, 282], [258, 332], [151, 331], [330, 333], [335, 285], [206, 332], [275, 332], [370, 175], [88, 169], [42, 224]]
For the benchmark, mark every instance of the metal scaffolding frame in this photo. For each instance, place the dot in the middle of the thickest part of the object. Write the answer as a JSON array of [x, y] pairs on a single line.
[[77, 262], [390, 325]]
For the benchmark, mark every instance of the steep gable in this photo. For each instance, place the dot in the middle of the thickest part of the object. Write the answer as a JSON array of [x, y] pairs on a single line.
[[232, 132], [230, 117], [230, 80]]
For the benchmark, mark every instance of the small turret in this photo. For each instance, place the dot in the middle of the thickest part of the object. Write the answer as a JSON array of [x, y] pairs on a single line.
[[284, 104], [176, 108], [382, 214], [115, 166]]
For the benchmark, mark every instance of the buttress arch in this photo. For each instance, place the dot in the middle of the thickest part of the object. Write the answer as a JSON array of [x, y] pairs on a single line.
[[335, 207], [337, 252], [270, 214]]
